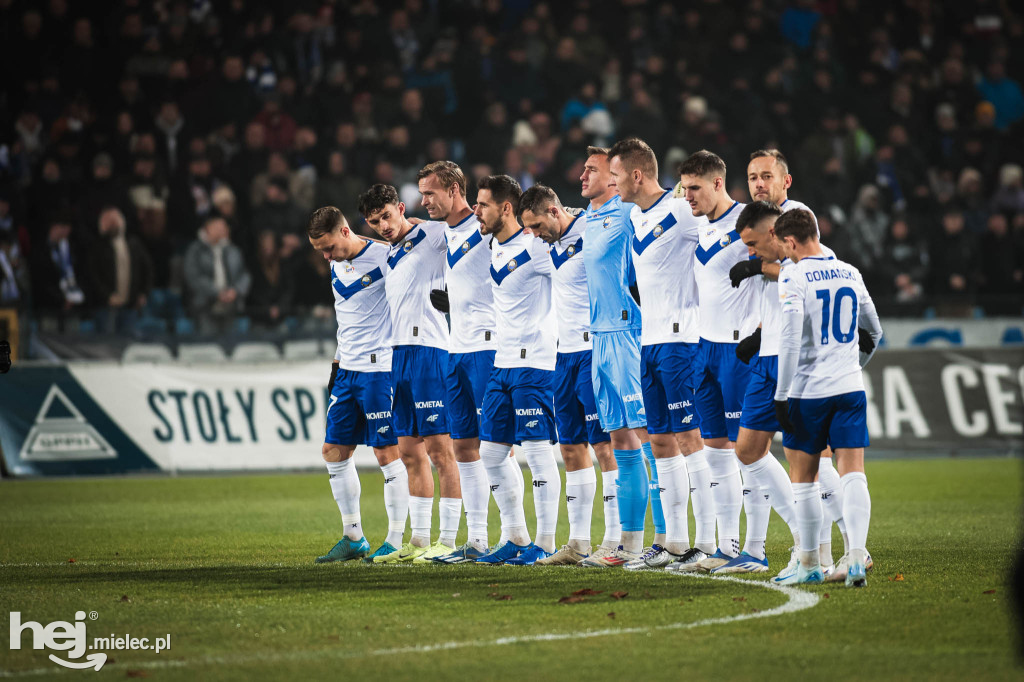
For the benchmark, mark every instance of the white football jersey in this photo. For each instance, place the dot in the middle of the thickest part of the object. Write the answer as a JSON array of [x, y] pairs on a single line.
[[571, 298], [416, 265], [823, 303], [467, 274], [727, 313], [521, 276], [793, 204], [664, 242], [361, 304]]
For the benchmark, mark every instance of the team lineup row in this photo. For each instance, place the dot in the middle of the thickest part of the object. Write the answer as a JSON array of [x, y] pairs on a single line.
[[672, 329]]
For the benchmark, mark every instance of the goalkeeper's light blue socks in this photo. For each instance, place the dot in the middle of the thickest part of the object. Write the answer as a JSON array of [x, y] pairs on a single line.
[[656, 510], [633, 489]]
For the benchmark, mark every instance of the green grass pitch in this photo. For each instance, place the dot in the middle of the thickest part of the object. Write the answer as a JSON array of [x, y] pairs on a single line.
[[224, 565]]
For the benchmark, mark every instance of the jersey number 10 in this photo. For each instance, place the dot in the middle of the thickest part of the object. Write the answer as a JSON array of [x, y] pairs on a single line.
[[830, 316]]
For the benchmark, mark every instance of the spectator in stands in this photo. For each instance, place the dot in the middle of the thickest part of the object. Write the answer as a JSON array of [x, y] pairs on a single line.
[[278, 213], [1004, 93], [57, 272], [122, 273], [952, 253], [338, 187], [216, 279], [904, 263], [1009, 196], [273, 283], [867, 228], [13, 273], [1003, 271]]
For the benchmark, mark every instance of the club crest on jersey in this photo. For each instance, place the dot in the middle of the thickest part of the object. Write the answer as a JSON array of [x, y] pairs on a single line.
[[512, 265], [466, 246], [657, 231], [407, 247], [366, 281], [724, 241], [606, 223], [571, 251]]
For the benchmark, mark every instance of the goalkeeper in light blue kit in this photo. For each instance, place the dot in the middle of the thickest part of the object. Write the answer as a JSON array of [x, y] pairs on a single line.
[[615, 328], [819, 398]]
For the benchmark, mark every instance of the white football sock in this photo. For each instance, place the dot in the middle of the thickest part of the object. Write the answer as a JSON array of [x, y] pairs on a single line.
[[506, 491], [758, 510], [449, 509], [346, 489], [675, 498], [396, 500], [832, 498], [580, 489], [699, 474], [420, 513], [771, 476], [612, 524], [476, 495], [547, 490], [727, 492], [857, 509], [807, 501]]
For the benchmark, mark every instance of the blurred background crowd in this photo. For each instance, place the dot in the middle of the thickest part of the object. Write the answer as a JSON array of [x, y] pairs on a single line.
[[158, 159]]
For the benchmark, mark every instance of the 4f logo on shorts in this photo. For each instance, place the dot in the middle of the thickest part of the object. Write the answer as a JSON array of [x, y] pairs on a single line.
[[383, 429], [532, 423], [539, 484], [432, 418]]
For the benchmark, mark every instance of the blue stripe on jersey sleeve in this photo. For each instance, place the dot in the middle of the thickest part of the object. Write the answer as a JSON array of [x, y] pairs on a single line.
[[559, 259], [640, 245], [347, 292], [499, 275], [406, 247], [473, 240], [705, 255]]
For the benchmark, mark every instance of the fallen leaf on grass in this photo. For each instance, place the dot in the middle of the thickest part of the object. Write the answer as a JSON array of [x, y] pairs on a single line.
[[571, 600], [124, 598], [504, 597], [989, 592], [71, 561], [333, 638], [825, 596], [611, 615], [739, 599], [586, 592], [898, 578], [619, 595], [456, 594], [492, 594], [493, 585], [136, 673]]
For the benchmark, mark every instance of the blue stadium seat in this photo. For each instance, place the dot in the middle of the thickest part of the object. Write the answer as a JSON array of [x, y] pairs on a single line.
[[184, 326]]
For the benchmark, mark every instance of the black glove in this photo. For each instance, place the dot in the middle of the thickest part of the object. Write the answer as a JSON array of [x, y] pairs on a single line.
[[864, 340], [782, 415], [634, 291], [439, 299], [334, 375], [747, 268], [746, 348]]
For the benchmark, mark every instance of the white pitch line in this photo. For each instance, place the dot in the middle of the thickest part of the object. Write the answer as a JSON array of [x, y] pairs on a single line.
[[798, 600]]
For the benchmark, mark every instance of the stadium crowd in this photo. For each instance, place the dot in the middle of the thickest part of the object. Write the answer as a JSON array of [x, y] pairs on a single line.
[[180, 146]]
